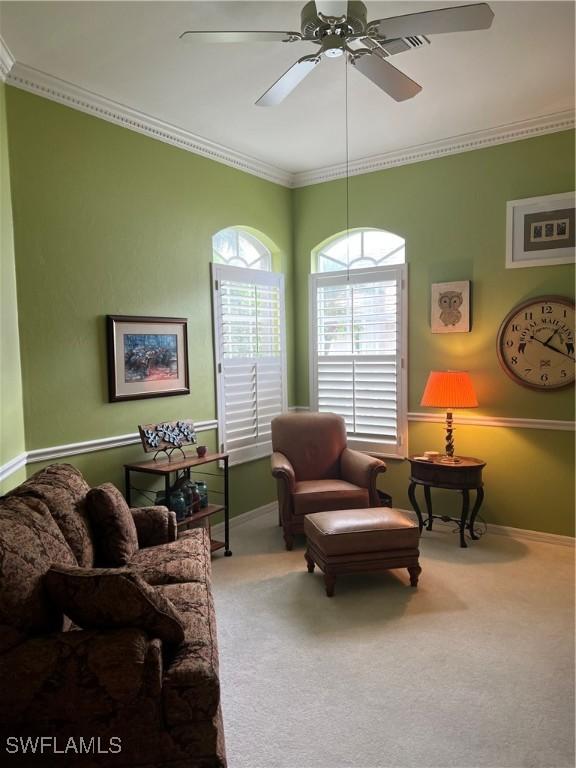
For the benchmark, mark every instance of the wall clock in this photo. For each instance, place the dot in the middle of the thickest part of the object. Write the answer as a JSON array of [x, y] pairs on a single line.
[[536, 343]]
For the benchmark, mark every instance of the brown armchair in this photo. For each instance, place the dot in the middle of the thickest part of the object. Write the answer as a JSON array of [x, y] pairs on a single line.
[[316, 471]]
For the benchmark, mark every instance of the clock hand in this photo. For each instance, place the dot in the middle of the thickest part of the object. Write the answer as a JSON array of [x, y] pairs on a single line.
[[549, 346], [550, 337]]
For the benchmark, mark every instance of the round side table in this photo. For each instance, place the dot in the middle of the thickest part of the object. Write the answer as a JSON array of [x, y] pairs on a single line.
[[465, 476]]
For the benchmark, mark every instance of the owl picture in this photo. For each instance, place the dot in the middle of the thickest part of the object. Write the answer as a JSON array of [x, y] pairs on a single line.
[[449, 303]]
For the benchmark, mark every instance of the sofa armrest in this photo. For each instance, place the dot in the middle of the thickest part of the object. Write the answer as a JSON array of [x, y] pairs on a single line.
[[78, 676], [282, 469], [362, 470], [154, 525]]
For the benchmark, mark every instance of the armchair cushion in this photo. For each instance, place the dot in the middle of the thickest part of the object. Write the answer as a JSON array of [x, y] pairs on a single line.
[[115, 532], [323, 495], [154, 525], [100, 598], [312, 442]]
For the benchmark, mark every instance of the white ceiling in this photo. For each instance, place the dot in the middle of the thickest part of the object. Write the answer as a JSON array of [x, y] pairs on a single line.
[[521, 68]]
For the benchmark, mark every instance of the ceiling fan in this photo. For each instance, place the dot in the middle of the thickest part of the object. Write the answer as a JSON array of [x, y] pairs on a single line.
[[341, 28]]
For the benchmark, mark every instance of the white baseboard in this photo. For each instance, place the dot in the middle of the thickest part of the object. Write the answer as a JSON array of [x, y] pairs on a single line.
[[520, 534], [245, 517]]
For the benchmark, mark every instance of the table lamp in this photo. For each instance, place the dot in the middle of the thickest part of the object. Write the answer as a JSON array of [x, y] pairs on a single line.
[[449, 390]]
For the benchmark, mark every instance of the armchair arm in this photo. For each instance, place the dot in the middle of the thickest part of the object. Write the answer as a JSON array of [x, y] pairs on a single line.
[[362, 470], [154, 525], [282, 469], [75, 676]]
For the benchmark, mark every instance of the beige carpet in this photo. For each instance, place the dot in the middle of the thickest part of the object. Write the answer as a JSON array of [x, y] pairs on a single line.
[[474, 668]]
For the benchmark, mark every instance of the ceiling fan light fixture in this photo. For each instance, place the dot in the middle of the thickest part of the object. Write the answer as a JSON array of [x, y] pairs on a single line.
[[334, 53]]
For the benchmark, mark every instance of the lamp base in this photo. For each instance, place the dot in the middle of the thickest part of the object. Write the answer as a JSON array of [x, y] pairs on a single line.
[[449, 460]]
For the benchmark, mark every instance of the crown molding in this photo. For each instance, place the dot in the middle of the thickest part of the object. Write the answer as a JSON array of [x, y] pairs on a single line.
[[465, 142], [42, 84], [6, 60]]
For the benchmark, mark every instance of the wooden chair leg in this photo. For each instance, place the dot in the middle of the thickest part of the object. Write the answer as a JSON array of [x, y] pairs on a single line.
[[288, 540], [309, 562]]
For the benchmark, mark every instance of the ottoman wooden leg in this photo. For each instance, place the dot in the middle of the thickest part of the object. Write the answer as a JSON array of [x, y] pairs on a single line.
[[414, 572], [329, 581], [309, 562]]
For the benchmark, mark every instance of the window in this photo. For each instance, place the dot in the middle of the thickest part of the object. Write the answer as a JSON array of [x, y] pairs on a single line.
[[358, 338], [363, 248], [239, 248], [250, 357]]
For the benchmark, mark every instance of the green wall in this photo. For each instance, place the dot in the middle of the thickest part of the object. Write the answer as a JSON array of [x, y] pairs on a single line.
[[11, 409], [452, 213], [108, 221]]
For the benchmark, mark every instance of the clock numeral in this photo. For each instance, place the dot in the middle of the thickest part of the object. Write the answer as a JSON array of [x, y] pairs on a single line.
[[544, 377], [527, 315], [514, 360], [563, 374], [546, 309], [509, 343], [515, 327]]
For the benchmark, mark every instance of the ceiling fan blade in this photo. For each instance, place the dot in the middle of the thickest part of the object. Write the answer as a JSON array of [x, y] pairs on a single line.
[[463, 18], [240, 37], [289, 80], [335, 8], [385, 76]]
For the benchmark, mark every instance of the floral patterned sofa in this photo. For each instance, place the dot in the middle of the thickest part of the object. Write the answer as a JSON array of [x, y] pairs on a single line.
[[114, 686]]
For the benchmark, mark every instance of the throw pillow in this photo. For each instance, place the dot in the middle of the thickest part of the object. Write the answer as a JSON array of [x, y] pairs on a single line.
[[111, 598], [115, 536]]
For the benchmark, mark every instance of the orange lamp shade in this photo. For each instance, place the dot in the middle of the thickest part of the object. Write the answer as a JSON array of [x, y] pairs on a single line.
[[449, 389]]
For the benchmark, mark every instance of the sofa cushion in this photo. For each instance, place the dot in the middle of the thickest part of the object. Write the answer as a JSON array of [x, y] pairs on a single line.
[[115, 536], [63, 489], [30, 542], [70, 682], [180, 561], [191, 689], [323, 495], [101, 598]]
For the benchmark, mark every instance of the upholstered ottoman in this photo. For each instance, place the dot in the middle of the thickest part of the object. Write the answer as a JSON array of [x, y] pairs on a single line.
[[361, 540]]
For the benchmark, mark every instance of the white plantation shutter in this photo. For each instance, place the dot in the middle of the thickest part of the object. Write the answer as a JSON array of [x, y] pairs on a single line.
[[358, 335], [250, 358]]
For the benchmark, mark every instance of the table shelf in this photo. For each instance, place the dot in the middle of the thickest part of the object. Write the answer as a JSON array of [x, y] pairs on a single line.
[[165, 469]]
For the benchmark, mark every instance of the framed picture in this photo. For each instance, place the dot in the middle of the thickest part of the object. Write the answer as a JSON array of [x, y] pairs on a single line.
[[147, 357], [450, 307], [540, 231]]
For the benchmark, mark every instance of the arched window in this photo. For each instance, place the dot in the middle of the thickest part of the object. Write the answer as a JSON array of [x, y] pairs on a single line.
[[358, 337], [249, 331], [360, 249], [238, 248]]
